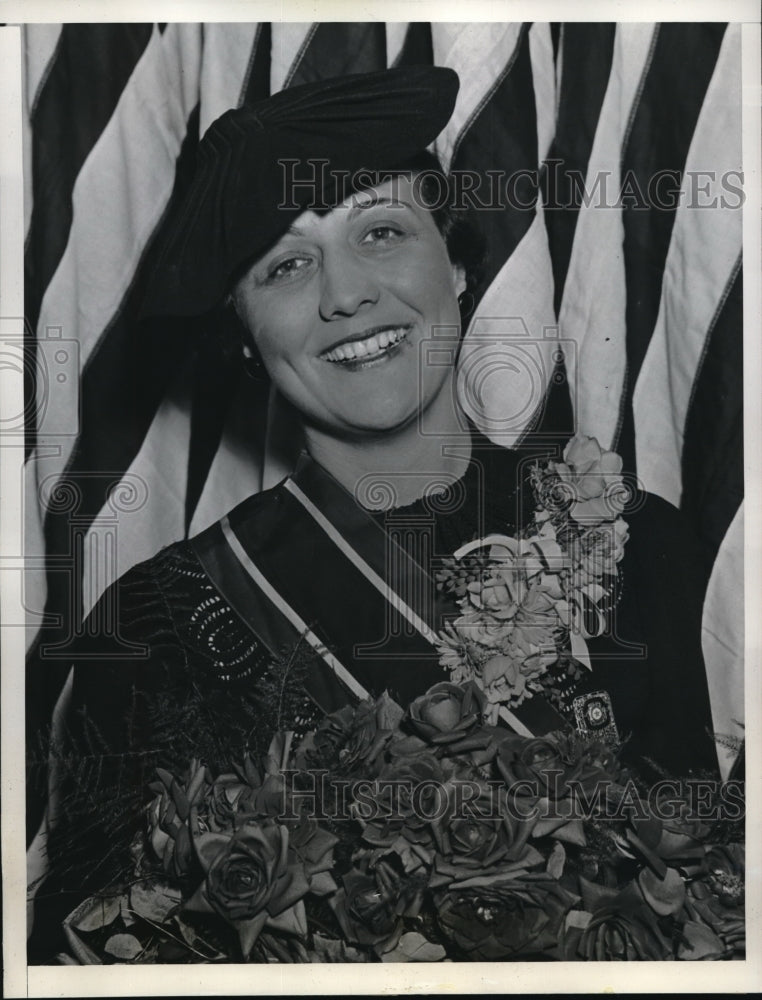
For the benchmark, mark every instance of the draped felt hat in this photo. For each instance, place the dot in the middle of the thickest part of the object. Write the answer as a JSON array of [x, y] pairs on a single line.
[[261, 165]]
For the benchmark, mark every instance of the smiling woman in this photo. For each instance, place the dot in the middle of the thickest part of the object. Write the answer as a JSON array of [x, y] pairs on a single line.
[[340, 582]]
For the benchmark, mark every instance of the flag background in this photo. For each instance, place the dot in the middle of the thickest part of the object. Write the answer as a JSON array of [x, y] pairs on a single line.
[[140, 434]]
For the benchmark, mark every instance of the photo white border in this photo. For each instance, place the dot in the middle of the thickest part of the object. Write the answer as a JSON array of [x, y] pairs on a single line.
[[443, 978]]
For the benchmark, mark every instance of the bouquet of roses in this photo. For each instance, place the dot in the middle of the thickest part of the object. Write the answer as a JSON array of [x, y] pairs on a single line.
[[422, 835], [523, 600]]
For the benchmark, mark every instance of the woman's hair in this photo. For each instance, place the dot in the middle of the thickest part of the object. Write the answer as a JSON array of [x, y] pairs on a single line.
[[466, 246]]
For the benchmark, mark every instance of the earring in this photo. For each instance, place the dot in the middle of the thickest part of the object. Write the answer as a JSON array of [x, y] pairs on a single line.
[[253, 365], [465, 303]]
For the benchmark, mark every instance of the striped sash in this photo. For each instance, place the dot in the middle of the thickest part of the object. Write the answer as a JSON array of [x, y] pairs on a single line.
[[304, 562]]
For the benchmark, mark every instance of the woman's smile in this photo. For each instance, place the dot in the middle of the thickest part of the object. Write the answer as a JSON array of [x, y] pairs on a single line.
[[369, 348]]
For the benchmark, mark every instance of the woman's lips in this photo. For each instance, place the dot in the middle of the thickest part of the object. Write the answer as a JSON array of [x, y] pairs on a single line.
[[373, 346]]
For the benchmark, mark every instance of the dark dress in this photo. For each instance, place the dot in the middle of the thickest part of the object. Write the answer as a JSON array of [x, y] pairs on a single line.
[[186, 676]]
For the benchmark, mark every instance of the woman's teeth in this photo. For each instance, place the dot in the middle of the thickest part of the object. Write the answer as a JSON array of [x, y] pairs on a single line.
[[370, 347]]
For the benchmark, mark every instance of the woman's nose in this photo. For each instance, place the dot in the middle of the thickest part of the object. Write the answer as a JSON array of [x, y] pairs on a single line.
[[347, 285]]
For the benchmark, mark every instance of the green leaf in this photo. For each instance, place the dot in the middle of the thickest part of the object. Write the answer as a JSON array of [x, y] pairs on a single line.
[[124, 946], [154, 901], [594, 895], [95, 912], [700, 943], [82, 952], [414, 947], [665, 896]]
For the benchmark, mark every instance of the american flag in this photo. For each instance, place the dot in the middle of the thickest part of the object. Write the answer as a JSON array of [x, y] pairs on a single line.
[[620, 268]]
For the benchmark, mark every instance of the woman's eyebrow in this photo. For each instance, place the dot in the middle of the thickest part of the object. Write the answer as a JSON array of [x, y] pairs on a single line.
[[358, 206]]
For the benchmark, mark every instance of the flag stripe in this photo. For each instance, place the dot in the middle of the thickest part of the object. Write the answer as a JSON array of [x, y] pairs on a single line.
[[481, 54], [591, 317], [227, 55], [684, 57], [336, 49], [486, 141], [722, 638], [587, 55], [40, 44], [288, 44], [702, 257], [417, 48], [712, 454], [257, 84], [92, 65]]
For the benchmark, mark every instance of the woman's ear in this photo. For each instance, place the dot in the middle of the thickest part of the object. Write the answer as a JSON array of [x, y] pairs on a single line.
[[459, 279]]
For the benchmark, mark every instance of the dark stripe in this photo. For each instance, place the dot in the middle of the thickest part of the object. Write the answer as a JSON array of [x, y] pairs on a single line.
[[712, 460], [503, 136], [91, 67], [587, 53], [555, 37], [257, 84], [417, 49], [662, 127], [218, 371], [336, 49]]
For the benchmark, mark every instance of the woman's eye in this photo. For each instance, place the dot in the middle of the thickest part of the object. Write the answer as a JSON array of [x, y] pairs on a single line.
[[382, 235], [283, 270]]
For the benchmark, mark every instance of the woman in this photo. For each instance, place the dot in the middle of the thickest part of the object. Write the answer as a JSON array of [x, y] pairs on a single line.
[[347, 285]]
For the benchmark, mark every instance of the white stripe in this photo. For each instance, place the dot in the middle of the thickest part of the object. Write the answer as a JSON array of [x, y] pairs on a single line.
[[703, 253], [507, 355], [513, 722], [39, 43], [592, 314], [367, 571], [722, 637], [395, 39], [287, 42], [272, 594], [543, 76], [226, 56], [479, 53]]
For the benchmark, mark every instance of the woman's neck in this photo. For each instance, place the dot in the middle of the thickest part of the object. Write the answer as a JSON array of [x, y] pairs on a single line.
[[396, 468]]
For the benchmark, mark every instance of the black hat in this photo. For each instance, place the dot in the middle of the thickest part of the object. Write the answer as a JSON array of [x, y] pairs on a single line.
[[263, 164]]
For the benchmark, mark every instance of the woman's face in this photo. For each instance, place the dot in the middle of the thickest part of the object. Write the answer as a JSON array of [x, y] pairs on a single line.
[[342, 308]]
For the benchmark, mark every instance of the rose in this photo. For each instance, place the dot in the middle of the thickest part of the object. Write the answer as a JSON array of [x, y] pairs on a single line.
[[539, 763], [369, 906], [624, 929], [479, 836], [401, 801], [446, 713], [475, 628], [595, 555], [515, 919], [251, 876], [593, 478], [352, 737]]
